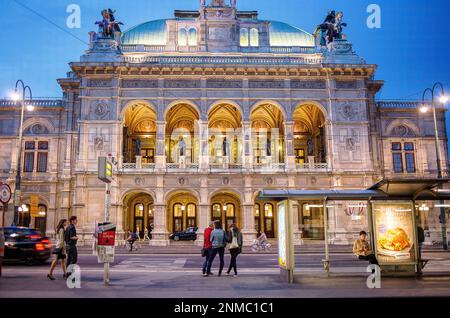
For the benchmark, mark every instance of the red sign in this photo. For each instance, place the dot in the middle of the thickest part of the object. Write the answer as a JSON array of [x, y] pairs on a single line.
[[107, 238]]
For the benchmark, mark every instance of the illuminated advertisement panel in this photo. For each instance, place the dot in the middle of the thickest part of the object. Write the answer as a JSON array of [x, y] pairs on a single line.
[[282, 248], [394, 233]]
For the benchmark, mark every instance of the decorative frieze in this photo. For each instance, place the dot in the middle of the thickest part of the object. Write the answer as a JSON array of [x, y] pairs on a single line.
[[265, 84], [346, 84], [219, 83], [297, 84], [182, 84], [348, 112], [140, 83], [107, 83]]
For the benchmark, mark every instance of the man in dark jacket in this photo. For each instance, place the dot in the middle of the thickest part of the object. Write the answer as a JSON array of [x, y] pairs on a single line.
[[71, 239]]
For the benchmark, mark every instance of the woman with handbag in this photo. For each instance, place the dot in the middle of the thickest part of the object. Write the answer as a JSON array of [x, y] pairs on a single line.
[[235, 247], [60, 250]]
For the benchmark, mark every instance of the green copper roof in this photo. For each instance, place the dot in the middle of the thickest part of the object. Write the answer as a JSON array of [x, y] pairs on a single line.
[[155, 33], [148, 33], [283, 34]]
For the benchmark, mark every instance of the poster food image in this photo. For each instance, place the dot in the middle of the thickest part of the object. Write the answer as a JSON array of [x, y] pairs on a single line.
[[394, 233]]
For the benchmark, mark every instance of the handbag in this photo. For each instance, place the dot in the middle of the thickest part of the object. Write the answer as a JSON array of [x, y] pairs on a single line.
[[57, 250], [234, 243]]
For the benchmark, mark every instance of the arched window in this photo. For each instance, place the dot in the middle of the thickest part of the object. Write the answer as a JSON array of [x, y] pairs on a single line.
[[269, 220], [40, 222], [230, 215], [257, 217], [182, 37], [216, 212], [254, 37], [192, 40], [139, 218], [191, 215], [244, 37], [178, 217]]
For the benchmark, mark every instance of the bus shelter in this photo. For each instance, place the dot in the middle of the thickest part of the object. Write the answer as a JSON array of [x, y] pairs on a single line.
[[392, 218]]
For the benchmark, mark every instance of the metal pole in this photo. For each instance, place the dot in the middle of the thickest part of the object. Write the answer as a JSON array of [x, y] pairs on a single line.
[[17, 191], [107, 218], [442, 217], [326, 262]]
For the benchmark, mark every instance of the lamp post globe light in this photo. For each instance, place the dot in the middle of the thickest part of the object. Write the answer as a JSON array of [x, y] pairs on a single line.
[[424, 108], [20, 96]]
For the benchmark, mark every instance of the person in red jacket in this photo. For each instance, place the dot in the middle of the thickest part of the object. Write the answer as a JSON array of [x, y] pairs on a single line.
[[207, 246]]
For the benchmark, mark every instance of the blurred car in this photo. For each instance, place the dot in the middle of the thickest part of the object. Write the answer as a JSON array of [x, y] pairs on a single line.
[[26, 245], [190, 234]]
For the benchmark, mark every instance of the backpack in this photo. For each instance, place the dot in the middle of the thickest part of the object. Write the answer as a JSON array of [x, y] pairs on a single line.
[[134, 236]]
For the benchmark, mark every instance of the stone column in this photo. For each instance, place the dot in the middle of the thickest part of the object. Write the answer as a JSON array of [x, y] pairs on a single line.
[[289, 144], [160, 235], [160, 157], [203, 140], [203, 222], [248, 226], [247, 160]]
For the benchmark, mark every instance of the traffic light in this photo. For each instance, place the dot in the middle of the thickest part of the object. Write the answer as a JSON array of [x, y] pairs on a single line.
[[105, 169]]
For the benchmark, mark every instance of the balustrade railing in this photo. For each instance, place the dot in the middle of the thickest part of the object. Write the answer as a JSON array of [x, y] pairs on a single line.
[[312, 166]]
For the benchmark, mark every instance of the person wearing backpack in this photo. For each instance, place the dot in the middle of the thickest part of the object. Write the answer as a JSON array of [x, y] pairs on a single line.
[[235, 247], [218, 240]]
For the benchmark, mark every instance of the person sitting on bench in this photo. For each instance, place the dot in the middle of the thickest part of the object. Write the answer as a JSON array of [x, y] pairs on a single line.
[[361, 248]]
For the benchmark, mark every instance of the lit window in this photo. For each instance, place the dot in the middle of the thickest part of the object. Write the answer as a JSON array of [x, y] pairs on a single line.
[[182, 37], [192, 40], [268, 210], [139, 210], [244, 37], [216, 211], [254, 37], [230, 210], [191, 210]]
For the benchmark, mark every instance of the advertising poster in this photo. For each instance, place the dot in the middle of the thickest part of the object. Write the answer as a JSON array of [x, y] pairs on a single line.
[[282, 259], [394, 233]]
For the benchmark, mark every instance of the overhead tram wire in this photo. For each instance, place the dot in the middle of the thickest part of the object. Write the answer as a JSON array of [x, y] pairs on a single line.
[[49, 21]]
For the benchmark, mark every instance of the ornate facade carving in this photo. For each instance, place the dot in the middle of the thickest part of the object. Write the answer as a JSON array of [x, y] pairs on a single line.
[[265, 84], [297, 84], [182, 83], [140, 83]]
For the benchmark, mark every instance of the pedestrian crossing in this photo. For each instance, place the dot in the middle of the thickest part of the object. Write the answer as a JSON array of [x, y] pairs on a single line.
[[148, 263]]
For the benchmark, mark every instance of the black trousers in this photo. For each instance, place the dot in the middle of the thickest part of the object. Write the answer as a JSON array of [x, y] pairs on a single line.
[[234, 254], [72, 255], [371, 258], [212, 255]]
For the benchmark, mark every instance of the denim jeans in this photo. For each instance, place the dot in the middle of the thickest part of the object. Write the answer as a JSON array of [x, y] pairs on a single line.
[[207, 256], [214, 251]]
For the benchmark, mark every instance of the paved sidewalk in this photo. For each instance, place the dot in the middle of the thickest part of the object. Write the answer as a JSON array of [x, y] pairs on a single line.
[[190, 248]]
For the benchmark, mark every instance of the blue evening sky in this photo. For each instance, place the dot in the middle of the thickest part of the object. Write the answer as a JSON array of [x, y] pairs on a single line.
[[411, 48]]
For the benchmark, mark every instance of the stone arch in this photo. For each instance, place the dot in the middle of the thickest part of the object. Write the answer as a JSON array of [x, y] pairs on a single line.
[[41, 121], [311, 102], [227, 102], [127, 192], [403, 122], [237, 194], [137, 102], [169, 195], [270, 102], [179, 102]]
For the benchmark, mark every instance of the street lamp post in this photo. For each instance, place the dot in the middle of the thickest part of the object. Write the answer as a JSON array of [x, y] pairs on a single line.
[[17, 97], [443, 99]]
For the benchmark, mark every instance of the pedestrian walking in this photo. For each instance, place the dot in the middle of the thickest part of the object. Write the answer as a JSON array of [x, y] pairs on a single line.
[[218, 240], [146, 237], [60, 250], [235, 247], [131, 239], [70, 237], [207, 247], [420, 240]]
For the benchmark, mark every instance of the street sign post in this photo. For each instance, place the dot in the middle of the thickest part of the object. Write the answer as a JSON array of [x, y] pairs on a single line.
[[106, 251], [5, 197]]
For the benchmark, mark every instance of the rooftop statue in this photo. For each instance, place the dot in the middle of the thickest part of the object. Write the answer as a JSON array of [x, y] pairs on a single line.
[[331, 28], [108, 26]]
